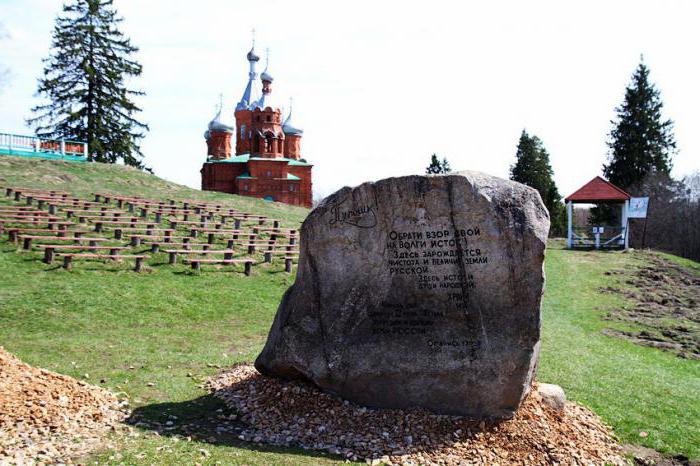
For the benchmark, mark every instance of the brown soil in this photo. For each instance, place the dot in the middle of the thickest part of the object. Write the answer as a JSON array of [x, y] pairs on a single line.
[[663, 305], [296, 414], [47, 417]]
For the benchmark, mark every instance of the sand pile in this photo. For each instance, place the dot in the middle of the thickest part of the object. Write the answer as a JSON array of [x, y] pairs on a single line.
[[47, 417], [297, 414]]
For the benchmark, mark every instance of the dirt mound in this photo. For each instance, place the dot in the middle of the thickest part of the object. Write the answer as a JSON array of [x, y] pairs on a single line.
[[47, 417], [664, 305], [297, 414]]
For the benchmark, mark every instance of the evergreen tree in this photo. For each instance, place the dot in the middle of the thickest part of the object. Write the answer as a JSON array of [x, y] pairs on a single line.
[[437, 167], [640, 142], [84, 82], [532, 168]]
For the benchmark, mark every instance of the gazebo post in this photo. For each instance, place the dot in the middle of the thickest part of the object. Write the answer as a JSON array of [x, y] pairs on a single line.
[[625, 223], [570, 224]]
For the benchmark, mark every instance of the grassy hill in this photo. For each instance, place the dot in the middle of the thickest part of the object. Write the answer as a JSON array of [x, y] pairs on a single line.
[[156, 336], [83, 179]]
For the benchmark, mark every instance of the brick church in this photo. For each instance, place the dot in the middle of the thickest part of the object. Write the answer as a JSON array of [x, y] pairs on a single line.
[[267, 161]]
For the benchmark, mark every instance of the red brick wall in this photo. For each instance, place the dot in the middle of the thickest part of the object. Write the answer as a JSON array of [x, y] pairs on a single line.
[[305, 185], [292, 146], [219, 145], [243, 117], [221, 176]]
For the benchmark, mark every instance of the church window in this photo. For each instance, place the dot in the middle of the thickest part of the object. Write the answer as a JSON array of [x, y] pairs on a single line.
[[242, 131], [245, 187], [269, 118], [268, 173], [291, 187]]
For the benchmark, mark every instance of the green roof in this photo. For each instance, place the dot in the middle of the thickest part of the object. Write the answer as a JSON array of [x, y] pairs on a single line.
[[41, 155], [244, 158], [245, 175], [292, 177]]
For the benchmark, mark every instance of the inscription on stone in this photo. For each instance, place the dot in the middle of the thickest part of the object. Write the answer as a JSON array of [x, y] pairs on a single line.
[[417, 291]]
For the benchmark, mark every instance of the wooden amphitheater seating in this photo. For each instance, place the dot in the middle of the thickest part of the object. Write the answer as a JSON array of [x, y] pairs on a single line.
[[51, 249], [12, 233], [196, 263], [173, 253], [27, 240], [68, 259]]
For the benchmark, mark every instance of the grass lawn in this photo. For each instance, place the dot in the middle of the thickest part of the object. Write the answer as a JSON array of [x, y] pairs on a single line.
[[155, 336]]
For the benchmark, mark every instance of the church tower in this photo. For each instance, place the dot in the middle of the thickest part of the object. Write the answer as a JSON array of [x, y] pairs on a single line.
[[268, 162]]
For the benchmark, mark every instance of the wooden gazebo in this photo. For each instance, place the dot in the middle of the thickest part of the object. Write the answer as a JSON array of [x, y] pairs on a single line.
[[598, 191]]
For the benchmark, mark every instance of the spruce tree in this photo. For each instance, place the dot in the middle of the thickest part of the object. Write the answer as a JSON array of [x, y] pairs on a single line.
[[532, 168], [84, 81], [640, 143], [436, 166]]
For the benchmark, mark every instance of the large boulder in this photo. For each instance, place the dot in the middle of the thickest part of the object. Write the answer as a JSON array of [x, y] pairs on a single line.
[[417, 291]]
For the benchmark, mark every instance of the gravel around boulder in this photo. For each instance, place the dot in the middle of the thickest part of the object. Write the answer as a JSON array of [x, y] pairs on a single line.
[[48, 418], [297, 414]]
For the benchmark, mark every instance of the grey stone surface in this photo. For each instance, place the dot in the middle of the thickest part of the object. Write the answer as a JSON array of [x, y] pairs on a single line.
[[417, 291], [552, 395]]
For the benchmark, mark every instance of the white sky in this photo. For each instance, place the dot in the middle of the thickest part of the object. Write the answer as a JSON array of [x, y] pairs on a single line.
[[379, 86]]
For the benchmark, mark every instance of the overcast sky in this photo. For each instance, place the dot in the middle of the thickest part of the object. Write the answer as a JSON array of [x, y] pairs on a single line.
[[379, 86]]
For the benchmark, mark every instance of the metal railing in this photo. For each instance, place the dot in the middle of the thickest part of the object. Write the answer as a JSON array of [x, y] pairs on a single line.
[[16, 143], [610, 236]]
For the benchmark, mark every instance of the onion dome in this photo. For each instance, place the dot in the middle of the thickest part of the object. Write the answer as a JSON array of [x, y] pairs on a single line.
[[252, 56], [266, 76], [216, 125], [288, 127]]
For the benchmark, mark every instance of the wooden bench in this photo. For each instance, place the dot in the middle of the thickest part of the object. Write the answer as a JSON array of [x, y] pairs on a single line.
[[196, 263], [156, 245], [68, 259], [122, 217], [27, 240], [13, 232], [39, 224], [118, 232], [254, 244], [287, 254], [99, 225], [172, 253], [50, 249]]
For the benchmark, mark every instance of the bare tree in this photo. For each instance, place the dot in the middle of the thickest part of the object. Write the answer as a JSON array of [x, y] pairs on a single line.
[[673, 217]]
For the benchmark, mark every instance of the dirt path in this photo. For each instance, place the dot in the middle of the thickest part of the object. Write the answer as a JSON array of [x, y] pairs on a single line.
[[663, 306]]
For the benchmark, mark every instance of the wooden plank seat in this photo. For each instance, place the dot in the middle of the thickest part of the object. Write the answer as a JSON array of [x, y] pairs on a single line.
[[118, 232], [68, 259], [115, 217], [30, 211], [12, 233], [12, 208], [50, 249], [286, 254], [100, 224], [173, 253], [40, 224], [27, 240], [252, 246], [196, 263], [47, 217], [218, 230], [137, 238], [156, 245]]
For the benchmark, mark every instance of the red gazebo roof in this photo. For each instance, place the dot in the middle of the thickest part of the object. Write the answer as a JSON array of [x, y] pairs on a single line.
[[598, 191]]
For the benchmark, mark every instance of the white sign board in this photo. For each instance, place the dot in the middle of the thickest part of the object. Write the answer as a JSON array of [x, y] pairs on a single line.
[[638, 207]]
